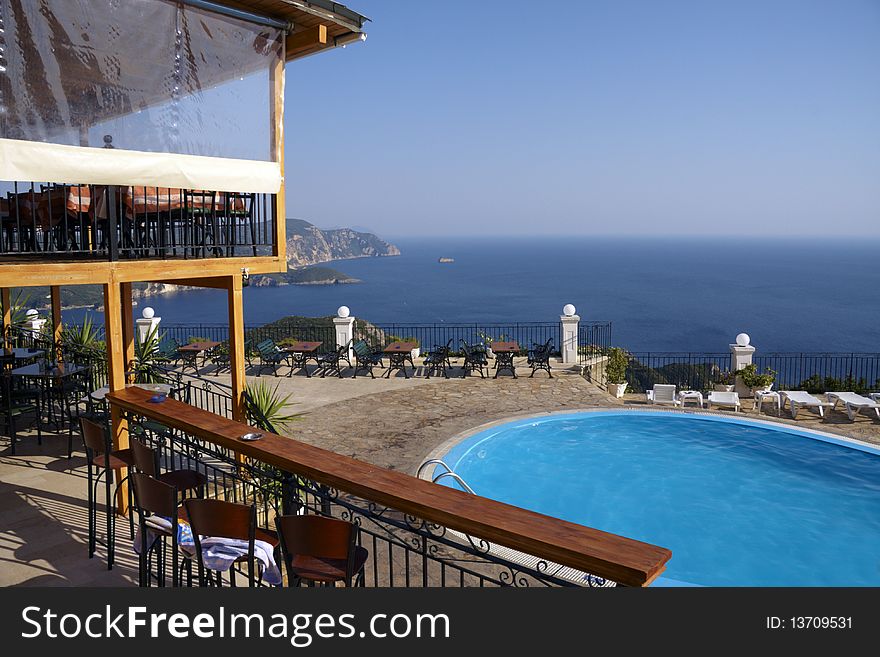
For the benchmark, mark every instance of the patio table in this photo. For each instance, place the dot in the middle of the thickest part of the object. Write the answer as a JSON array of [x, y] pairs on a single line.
[[190, 354], [47, 375], [300, 352], [504, 353], [19, 355], [686, 396], [398, 354]]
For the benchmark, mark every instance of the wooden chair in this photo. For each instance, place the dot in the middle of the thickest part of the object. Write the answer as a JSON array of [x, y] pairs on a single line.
[[146, 460], [321, 550], [155, 499], [220, 519], [103, 462]]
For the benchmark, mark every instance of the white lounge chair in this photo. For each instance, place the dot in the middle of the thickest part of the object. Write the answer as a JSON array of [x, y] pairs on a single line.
[[798, 398], [853, 403], [662, 393], [724, 399]]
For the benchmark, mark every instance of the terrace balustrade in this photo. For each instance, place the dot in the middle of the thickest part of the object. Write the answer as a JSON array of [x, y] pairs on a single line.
[[51, 221]]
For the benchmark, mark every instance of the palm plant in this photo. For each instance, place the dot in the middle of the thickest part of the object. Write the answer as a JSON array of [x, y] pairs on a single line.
[[266, 407], [19, 304], [82, 339], [146, 351]]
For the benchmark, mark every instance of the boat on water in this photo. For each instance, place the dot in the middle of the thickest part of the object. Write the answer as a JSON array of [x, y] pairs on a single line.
[[445, 260]]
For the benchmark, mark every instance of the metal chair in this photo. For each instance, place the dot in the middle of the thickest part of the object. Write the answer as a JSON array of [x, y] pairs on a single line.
[[539, 357]]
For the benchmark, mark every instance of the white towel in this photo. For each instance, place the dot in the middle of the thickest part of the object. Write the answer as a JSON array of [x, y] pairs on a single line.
[[221, 553]]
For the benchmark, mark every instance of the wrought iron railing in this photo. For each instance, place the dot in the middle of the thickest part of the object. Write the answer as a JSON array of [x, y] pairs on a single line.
[[110, 222], [814, 372], [405, 549]]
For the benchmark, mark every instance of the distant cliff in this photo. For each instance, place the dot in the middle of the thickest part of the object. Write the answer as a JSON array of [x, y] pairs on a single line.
[[309, 245]]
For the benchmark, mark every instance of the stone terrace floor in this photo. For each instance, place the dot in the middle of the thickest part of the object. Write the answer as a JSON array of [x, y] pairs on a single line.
[[394, 423]]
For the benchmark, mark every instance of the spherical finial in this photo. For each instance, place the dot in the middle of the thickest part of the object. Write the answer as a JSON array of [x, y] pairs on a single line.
[[569, 310], [32, 313], [343, 311], [147, 313], [743, 340]]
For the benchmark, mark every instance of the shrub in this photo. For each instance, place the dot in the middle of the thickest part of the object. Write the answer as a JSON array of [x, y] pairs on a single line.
[[615, 368]]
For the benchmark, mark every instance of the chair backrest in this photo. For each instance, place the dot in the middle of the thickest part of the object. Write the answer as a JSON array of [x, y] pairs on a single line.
[[360, 348], [664, 392], [267, 347], [221, 519], [93, 435], [144, 458], [154, 496], [316, 536]]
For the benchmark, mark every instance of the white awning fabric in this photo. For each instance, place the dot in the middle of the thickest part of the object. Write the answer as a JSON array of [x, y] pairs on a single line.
[[39, 161]]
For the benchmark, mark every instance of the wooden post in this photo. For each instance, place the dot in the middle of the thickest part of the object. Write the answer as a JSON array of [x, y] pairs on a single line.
[[127, 323], [236, 352], [276, 88], [55, 293], [6, 300], [236, 347], [116, 375]]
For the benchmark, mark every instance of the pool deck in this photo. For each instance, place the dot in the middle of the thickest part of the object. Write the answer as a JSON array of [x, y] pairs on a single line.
[[393, 423]]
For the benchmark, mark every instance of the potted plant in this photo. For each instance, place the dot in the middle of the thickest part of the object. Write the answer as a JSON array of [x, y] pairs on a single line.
[[725, 381], [754, 380], [615, 371]]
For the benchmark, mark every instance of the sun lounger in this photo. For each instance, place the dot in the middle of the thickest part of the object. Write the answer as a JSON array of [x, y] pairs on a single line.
[[798, 398], [853, 403], [724, 399], [662, 394]]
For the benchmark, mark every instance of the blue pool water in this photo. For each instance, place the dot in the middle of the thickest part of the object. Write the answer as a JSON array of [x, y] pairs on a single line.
[[738, 503]]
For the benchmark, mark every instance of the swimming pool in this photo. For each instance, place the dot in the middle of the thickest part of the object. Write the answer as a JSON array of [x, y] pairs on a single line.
[[739, 503]]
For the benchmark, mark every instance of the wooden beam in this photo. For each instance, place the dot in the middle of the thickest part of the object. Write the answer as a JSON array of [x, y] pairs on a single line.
[[55, 272], [116, 375], [311, 38], [276, 88], [217, 282], [6, 301], [127, 323], [236, 347], [55, 294]]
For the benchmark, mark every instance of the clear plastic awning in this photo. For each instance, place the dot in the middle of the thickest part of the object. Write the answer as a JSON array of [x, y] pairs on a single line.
[[151, 77]]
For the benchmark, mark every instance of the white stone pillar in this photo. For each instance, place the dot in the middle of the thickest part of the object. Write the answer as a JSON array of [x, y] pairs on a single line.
[[741, 355], [146, 323], [33, 322], [344, 324], [569, 332]]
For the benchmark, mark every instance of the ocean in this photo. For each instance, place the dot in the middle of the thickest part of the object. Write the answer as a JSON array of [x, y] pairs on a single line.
[[660, 294]]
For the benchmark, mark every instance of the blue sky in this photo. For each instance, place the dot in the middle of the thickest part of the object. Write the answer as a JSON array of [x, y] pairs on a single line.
[[624, 117]]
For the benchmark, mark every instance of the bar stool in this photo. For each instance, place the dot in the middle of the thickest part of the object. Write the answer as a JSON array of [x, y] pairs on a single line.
[[147, 461], [220, 519], [321, 550], [103, 462], [155, 500]]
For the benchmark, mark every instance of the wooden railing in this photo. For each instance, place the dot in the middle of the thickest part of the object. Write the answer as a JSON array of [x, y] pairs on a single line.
[[483, 522]]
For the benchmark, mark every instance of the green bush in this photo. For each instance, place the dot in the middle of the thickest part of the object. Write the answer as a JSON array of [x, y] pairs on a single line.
[[751, 378], [615, 367]]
